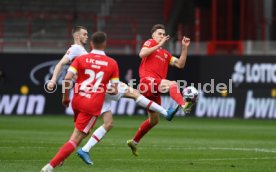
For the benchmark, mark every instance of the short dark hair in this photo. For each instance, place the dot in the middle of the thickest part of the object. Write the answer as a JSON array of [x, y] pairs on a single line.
[[77, 29], [98, 38], [157, 26]]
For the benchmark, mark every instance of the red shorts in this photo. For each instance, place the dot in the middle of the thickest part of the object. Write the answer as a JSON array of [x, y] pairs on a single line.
[[83, 121], [149, 88]]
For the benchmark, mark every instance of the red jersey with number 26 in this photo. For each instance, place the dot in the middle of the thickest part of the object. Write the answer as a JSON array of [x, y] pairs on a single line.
[[94, 71], [156, 64]]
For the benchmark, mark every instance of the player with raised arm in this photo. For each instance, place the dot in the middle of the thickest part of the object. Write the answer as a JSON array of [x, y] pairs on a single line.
[[153, 78], [123, 91], [93, 72], [80, 36]]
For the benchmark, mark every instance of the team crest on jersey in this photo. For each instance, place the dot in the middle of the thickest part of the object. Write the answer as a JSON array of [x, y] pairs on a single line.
[[147, 43], [165, 55]]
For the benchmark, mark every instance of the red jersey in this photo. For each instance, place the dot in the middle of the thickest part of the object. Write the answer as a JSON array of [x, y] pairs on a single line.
[[94, 71], [156, 64]]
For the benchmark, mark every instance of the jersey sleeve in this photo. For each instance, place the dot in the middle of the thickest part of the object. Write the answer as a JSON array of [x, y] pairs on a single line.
[[172, 59], [149, 43], [115, 74], [74, 67], [73, 52]]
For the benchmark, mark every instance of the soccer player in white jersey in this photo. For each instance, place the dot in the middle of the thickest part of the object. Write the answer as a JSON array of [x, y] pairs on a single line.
[[80, 39]]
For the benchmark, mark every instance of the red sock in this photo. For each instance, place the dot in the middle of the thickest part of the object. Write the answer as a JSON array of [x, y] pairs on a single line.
[[63, 153], [144, 128], [176, 95]]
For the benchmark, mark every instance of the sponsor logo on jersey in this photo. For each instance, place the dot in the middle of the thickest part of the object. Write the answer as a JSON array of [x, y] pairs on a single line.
[[160, 58], [147, 43]]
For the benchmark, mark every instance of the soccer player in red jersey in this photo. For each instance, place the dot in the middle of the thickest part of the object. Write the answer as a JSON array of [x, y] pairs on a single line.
[[79, 34], [94, 72], [153, 72]]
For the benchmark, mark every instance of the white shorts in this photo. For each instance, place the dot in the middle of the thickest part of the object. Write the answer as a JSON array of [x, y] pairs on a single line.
[[122, 89]]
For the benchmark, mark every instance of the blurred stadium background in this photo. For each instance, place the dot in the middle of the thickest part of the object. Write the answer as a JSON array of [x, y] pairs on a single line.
[[232, 43]]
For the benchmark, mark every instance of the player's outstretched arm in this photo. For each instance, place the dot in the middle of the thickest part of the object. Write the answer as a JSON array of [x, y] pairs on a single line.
[[181, 61], [145, 51], [57, 71]]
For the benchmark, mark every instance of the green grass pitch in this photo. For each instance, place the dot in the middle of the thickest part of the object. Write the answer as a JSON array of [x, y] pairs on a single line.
[[185, 144]]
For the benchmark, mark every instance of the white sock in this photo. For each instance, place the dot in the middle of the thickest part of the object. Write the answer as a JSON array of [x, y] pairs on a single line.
[[144, 102], [135, 143], [49, 166], [94, 139]]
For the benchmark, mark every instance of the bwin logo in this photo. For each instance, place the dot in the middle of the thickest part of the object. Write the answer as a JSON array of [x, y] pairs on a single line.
[[238, 75], [22, 104]]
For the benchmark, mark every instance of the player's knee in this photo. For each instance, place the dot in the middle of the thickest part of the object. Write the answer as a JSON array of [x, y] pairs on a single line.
[[168, 83], [76, 140], [132, 93], [172, 83], [136, 93], [154, 122]]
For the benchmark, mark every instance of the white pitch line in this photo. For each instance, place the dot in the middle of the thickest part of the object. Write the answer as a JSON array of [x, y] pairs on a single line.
[[245, 149], [159, 160], [26, 147], [233, 159], [230, 149], [203, 159], [23, 160], [155, 146]]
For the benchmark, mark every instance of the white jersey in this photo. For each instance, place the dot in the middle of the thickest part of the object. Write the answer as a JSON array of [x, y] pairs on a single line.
[[74, 51]]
